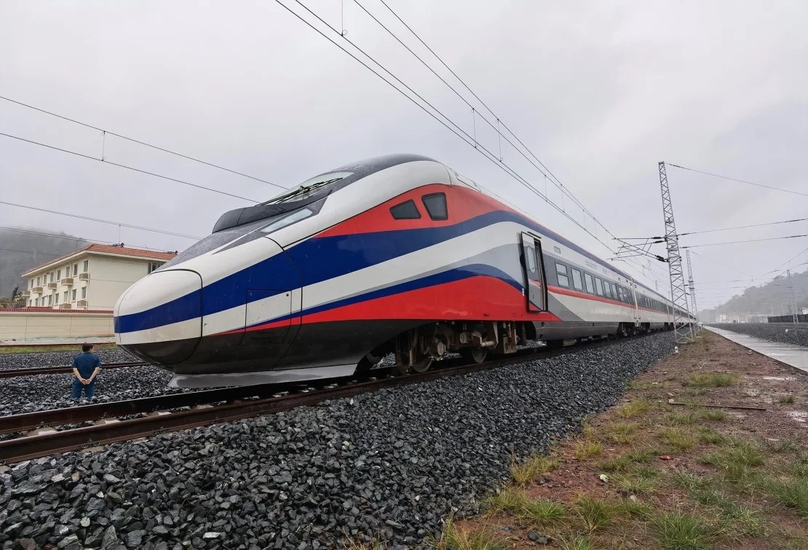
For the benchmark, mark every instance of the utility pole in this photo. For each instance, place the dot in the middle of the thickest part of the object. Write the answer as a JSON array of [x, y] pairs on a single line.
[[795, 315], [692, 287], [678, 295]]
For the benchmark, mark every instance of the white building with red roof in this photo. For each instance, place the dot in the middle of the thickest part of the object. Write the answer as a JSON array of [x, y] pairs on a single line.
[[92, 278]]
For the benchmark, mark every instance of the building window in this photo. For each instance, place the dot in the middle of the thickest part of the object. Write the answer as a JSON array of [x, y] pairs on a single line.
[[435, 204], [83, 292], [563, 279], [406, 211], [37, 281], [65, 297], [73, 295], [36, 302], [75, 269], [577, 282], [153, 266], [56, 299], [58, 274], [86, 266]]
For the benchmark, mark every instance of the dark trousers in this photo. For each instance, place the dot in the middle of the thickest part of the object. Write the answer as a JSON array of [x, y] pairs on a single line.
[[78, 387]]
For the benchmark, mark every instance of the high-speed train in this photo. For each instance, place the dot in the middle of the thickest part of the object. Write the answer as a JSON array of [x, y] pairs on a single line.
[[397, 254]]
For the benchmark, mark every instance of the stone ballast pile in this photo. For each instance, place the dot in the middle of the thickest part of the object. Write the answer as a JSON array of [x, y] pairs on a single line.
[[43, 392], [59, 358], [785, 333], [390, 464]]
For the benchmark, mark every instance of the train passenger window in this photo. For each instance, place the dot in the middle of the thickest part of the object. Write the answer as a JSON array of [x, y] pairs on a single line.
[[435, 204], [577, 282], [406, 211], [563, 279], [590, 286], [599, 286]]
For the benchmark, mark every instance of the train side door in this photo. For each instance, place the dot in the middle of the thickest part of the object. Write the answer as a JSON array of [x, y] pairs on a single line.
[[533, 269]]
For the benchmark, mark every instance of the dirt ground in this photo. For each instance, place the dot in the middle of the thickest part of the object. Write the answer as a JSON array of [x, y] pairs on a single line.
[[663, 470]]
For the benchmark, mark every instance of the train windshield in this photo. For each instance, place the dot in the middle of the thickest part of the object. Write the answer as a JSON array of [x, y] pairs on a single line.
[[309, 187]]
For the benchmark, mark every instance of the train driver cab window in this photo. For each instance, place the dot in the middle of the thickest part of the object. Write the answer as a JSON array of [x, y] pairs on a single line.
[[406, 211], [435, 204], [577, 282], [563, 278], [599, 286], [590, 286]]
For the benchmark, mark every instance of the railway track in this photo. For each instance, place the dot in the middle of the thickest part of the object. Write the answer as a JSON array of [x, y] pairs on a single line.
[[239, 403], [62, 369]]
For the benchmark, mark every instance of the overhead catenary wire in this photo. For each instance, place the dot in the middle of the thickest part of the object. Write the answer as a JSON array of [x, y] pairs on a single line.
[[88, 218], [737, 180], [541, 167], [132, 168], [741, 227], [139, 142], [747, 241], [458, 131]]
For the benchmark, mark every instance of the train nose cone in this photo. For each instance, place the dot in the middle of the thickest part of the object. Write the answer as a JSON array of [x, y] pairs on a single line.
[[159, 318]]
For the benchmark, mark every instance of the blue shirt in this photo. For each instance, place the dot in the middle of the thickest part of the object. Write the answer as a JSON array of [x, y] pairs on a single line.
[[86, 363]]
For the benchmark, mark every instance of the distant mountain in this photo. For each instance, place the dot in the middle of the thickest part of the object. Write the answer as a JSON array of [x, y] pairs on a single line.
[[20, 250], [773, 298]]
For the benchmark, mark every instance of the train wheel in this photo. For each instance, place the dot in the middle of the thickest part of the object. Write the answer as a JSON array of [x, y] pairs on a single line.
[[422, 365], [477, 355]]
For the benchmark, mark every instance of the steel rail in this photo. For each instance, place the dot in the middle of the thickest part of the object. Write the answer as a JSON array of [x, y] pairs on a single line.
[[63, 369], [35, 446], [99, 411]]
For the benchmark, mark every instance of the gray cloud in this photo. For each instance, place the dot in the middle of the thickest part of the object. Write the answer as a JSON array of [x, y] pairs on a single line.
[[599, 91]]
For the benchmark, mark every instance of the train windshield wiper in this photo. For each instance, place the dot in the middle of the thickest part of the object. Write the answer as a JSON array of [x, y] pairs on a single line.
[[309, 186]]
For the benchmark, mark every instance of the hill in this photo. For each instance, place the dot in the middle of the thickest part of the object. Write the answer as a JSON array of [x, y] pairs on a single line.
[[773, 298], [22, 250]]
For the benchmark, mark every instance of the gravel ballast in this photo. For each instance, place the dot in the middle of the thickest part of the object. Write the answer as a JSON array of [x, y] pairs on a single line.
[[390, 465], [59, 358], [785, 333], [26, 394]]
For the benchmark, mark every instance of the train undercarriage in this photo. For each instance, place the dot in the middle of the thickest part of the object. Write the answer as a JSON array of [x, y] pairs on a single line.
[[416, 349]]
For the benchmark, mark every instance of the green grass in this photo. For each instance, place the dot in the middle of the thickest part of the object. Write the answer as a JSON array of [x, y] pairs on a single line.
[[518, 503], [792, 493], [632, 409], [455, 538], [786, 400], [736, 460], [595, 513], [681, 418], [622, 433], [643, 455], [576, 543], [587, 449], [677, 439], [711, 437], [781, 445], [715, 416], [635, 484], [712, 380], [528, 470], [677, 531], [616, 464]]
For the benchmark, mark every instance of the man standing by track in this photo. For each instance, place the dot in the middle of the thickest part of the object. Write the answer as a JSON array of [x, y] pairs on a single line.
[[86, 367]]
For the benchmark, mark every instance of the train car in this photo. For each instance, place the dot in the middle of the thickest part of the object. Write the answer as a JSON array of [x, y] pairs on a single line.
[[398, 254]]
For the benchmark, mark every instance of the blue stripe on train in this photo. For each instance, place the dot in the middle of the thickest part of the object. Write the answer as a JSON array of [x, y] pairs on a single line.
[[450, 276], [315, 260]]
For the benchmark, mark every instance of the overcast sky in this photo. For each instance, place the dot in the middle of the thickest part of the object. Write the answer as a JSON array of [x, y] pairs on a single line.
[[599, 91]]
